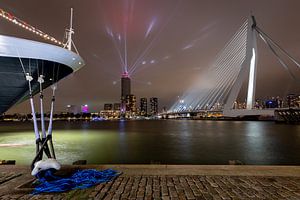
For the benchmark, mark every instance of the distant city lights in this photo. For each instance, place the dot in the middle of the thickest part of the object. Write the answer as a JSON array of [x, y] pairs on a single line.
[[85, 108]]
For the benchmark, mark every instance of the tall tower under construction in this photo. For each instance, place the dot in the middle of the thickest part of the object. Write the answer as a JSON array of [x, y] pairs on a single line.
[[125, 90]]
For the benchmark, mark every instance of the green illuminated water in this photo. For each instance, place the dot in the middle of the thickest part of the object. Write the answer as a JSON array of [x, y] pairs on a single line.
[[70, 145], [165, 142]]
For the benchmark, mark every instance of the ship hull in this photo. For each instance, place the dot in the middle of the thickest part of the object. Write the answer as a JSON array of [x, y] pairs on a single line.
[[20, 56]]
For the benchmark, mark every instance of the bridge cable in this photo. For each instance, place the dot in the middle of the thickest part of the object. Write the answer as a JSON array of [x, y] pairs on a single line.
[[277, 45], [278, 57]]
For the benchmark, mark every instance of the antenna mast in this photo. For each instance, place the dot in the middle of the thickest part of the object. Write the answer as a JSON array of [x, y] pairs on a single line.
[[69, 32]]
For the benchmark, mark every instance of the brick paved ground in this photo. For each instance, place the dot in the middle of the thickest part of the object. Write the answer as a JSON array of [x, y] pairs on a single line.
[[130, 186]]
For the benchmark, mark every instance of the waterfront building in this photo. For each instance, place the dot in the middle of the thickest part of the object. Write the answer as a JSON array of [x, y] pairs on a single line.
[[108, 106], [109, 114], [143, 106], [117, 106], [271, 103], [154, 106], [73, 109], [293, 100], [84, 108], [130, 105]]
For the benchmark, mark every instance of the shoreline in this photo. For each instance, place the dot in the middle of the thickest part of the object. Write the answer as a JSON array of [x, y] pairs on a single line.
[[208, 170]]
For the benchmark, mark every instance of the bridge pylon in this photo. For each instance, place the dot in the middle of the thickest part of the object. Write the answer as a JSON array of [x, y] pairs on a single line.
[[248, 68]]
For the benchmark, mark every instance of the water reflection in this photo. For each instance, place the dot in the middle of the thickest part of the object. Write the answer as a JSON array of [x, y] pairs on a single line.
[[170, 142]]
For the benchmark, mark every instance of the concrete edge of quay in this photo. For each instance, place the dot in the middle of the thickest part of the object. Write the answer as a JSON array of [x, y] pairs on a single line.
[[208, 170]]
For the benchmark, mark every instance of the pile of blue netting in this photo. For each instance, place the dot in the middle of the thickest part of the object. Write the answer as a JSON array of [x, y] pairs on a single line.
[[81, 179]]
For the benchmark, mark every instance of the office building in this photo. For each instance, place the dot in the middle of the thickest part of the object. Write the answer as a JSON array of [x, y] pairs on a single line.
[[117, 106], [143, 107], [108, 106], [131, 104], [153, 106]]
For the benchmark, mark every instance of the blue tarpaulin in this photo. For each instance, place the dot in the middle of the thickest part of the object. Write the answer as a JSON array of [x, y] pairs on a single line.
[[81, 179]]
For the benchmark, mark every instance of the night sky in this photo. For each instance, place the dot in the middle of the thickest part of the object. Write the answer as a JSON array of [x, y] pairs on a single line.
[[177, 39]]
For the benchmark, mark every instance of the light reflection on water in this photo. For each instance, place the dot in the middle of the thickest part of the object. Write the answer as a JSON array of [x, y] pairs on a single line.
[[166, 142]]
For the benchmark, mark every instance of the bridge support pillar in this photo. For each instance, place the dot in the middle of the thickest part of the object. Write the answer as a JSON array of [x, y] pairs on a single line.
[[248, 67], [253, 68]]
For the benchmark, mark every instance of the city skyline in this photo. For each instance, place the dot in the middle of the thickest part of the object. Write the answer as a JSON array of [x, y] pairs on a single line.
[[182, 55]]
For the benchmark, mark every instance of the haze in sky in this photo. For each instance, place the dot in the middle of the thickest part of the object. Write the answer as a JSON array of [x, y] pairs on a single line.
[[164, 45]]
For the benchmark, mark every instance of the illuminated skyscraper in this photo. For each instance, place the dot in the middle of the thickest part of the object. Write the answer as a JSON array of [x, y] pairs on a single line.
[[153, 106], [143, 107], [125, 90], [131, 104]]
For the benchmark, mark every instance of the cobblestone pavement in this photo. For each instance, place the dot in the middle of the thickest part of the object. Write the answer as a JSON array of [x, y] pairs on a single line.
[[178, 187]]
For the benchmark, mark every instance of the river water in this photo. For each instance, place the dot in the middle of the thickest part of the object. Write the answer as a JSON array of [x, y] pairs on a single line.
[[159, 142]]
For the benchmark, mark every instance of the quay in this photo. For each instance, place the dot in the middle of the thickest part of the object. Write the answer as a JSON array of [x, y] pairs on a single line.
[[168, 182]]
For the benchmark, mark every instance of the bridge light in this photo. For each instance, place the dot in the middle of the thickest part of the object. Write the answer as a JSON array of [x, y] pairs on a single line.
[[251, 88]]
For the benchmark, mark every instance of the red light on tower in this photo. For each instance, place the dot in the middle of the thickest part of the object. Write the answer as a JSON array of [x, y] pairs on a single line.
[[125, 75]]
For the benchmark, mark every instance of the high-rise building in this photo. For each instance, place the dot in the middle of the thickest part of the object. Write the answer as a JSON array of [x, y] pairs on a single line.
[[125, 90], [143, 106], [108, 106], [131, 104], [153, 106]]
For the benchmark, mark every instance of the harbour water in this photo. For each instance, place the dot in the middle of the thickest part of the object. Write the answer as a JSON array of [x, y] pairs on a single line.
[[159, 142]]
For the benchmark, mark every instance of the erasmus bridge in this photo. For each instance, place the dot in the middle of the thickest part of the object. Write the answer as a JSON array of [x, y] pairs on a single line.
[[220, 85]]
